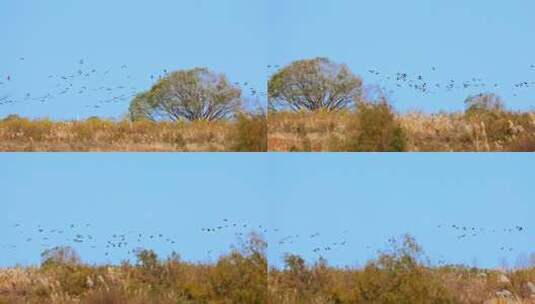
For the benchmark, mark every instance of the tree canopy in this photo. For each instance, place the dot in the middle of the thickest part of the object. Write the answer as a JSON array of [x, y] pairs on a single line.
[[196, 94], [61, 255], [314, 84]]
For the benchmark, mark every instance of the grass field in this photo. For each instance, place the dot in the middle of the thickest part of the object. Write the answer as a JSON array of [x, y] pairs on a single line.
[[345, 131], [372, 130], [402, 275], [237, 277], [400, 282], [21, 134]]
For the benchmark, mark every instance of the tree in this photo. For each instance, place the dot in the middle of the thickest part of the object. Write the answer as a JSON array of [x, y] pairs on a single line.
[[61, 255], [313, 85], [147, 258], [141, 109], [484, 102], [196, 94]]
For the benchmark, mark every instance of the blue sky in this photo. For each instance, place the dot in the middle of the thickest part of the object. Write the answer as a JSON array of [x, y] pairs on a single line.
[[362, 199], [461, 39], [169, 194], [147, 36]]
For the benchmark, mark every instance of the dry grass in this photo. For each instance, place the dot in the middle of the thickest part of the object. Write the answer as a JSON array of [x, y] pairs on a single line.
[[332, 131], [372, 130], [238, 277], [20, 134], [325, 285], [402, 275]]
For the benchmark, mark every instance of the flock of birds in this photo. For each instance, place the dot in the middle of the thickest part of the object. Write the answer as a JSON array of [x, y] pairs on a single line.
[[88, 81], [424, 85], [129, 242], [97, 87], [118, 244], [81, 81], [345, 241], [471, 232]]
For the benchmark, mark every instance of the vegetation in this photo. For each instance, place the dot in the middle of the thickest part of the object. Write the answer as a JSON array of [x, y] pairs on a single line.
[[251, 133], [95, 134], [196, 94], [401, 274], [375, 127], [313, 105], [238, 277], [315, 84], [370, 127], [187, 110], [318, 105]]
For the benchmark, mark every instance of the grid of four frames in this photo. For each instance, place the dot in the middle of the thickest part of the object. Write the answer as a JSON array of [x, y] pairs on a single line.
[[325, 108]]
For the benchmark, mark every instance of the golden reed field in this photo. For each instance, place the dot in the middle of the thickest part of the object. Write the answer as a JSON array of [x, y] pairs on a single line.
[[350, 131], [304, 131], [404, 275], [247, 133], [237, 277]]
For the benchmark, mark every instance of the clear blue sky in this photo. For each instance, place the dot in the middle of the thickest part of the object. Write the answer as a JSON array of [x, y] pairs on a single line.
[[487, 40], [461, 39], [362, 199], [147, 36], [169, 194]]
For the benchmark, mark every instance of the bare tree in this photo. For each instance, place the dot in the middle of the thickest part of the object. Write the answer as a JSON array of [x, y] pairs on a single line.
[[313, 85], [60, 255], [483, 102]]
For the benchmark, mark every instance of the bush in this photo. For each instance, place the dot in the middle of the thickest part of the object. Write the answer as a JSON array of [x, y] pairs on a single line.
[[399, 276], [375, 128], [251, 133]]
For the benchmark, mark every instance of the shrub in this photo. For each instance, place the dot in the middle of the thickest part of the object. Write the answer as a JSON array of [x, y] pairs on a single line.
[[250, 134], [375, 128], [399, 276]]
